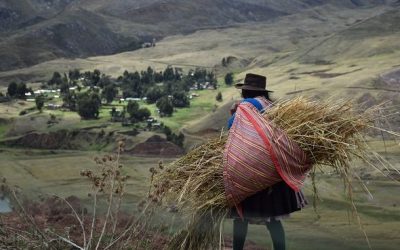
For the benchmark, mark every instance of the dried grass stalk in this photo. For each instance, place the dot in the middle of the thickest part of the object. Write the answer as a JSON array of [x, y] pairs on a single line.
[[331, 133]]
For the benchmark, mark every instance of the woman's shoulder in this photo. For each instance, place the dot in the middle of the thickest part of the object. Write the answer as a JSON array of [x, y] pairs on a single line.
[[260, 102]]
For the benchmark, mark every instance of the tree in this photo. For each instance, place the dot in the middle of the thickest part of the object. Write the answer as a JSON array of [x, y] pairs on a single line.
[[179, 139], [91, 79], [165, 106], [109, 92], [180, 99], [219, 97], [142, 114], [229, 78], [74, 74], [12, 89], [64, 88], [70, 100], [21, 90], [153, 94], [132, 108], [56, 79], [158, 77], [169, 74], [147, 76], [211, 77], [224, 62], [113, 111], [39, 100], [172, 137], [200, 75], [88, 105], [104, 81]]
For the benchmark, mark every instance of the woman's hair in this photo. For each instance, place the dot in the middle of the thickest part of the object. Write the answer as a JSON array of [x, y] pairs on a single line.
[[254, 93]]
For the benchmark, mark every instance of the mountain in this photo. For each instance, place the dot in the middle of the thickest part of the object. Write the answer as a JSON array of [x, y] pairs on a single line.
[[73, 34], [33, 31], [375, 36]]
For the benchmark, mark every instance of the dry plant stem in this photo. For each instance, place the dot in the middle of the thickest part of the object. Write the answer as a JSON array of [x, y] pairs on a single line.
[[145, 227], [67, 241], [115, 240], [28, 218], [110, 200], [79, 220], [115, 217], [93, 219], [117, 210], [139, 226]]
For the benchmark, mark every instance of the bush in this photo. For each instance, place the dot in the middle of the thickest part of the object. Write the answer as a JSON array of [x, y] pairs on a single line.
[[219, 97], [229, 78]]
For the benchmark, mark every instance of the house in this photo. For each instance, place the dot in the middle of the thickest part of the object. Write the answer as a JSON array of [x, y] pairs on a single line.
[[42, 91], [53, 106], [132, 99], [156, 125], [152, 119]]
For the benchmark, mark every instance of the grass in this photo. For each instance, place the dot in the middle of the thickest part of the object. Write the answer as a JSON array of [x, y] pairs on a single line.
[[57, 172], [47, 172], [3, 130], [200, 107], [333, 231]]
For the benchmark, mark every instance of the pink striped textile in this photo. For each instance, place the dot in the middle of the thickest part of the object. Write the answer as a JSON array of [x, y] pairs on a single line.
[[258, 155]]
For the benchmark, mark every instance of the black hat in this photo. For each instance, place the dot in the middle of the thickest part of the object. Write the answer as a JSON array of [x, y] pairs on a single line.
[[253, 82]]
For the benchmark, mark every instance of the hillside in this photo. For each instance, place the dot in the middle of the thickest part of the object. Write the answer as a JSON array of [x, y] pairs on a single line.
[[320, 52], [323, 49], [72, 35], [53, 28]]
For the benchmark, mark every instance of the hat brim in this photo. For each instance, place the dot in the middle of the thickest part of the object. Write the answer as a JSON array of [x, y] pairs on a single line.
[[247, 87]]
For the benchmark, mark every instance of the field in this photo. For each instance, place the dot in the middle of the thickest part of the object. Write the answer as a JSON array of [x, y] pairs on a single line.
[[40, 173]]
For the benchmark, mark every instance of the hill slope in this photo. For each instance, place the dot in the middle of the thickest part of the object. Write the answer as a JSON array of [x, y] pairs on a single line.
[[34, 31]]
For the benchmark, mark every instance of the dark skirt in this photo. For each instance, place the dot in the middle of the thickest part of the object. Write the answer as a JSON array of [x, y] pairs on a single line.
[[275, 201]]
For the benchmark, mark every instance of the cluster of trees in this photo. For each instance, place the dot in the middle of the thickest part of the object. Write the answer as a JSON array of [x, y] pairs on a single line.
[[18, 90], [167, 89], [86, 103], [174, 138], [136, 113]]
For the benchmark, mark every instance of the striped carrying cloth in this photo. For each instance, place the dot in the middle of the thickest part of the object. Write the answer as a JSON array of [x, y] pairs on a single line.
[[258, 155]]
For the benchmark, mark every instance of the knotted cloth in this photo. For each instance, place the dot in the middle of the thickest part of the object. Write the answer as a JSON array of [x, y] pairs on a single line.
[[258, 155]]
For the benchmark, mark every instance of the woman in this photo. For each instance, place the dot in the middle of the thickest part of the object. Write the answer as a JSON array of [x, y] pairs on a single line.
[[273, 203]]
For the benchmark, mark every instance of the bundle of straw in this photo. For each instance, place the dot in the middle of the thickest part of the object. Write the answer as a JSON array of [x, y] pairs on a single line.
[[330, 133]]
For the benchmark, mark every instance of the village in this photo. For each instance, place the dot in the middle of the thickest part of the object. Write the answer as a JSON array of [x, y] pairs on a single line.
[[137, 101]]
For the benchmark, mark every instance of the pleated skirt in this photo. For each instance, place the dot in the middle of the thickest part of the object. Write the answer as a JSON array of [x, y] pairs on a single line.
[[276, 202]]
